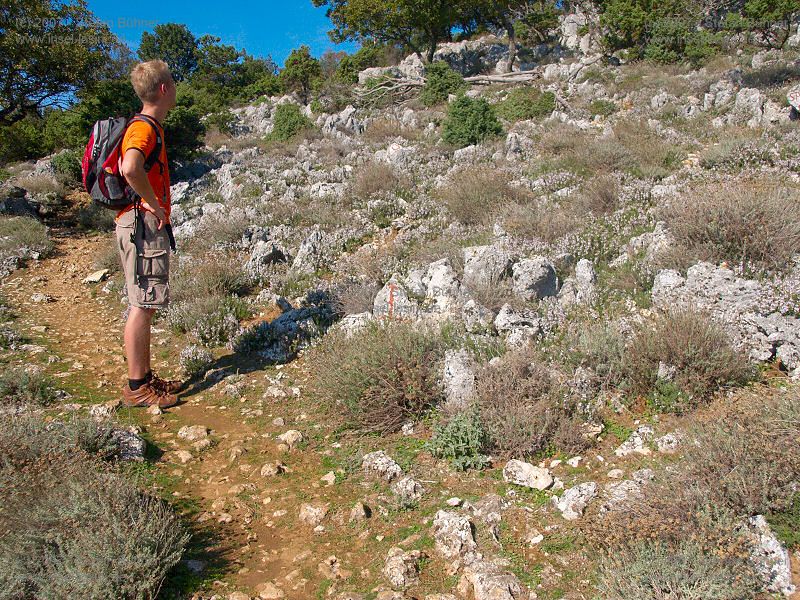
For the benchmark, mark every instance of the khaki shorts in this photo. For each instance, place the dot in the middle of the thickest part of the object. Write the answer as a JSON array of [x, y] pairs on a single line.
[[147, 257]]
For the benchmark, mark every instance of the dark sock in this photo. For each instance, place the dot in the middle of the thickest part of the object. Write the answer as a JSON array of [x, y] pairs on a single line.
[[148, 377], [135, 384]]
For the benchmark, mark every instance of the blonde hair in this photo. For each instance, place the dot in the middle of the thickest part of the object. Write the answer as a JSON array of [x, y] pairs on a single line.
[[147, 77]]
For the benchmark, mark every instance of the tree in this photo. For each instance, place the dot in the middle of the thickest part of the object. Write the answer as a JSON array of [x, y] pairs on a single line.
[[300, 72], [174, 44], [416, 24], [49, 49], [771, 19]]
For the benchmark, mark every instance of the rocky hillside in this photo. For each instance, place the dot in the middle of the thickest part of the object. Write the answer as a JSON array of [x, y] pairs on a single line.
[[558, 362]]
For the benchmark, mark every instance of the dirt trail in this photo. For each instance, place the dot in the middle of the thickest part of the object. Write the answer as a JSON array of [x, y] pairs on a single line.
[[250, 521]]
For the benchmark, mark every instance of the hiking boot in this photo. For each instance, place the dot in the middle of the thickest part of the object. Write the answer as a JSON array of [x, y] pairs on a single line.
[[171, 386], [148, 395]]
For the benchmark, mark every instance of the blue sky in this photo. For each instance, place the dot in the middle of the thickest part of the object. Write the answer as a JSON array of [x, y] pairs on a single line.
[[264, 28]]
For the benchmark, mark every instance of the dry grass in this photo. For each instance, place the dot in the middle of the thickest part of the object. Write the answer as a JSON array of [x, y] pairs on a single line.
[[755, 223], [216, 274], [524, 409], [476, 196], [382, 129], [547, 221], [376, 178]]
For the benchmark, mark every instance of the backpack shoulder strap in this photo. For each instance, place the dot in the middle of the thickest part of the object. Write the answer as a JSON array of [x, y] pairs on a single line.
[[153, 157]]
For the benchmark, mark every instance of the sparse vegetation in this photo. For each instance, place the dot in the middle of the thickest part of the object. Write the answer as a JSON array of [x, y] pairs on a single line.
[[23, 237]]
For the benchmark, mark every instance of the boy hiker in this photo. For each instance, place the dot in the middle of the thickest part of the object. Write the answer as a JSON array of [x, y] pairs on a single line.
[[143, 233]]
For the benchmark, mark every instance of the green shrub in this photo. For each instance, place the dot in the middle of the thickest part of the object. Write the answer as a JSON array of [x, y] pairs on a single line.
[[19, 387], [68, 165], [289, 121], [381, 376], [673, 40], [22, 236], [604, 108], [440, 82], [647, 570], [697, 351], [351, 65], [222, 120], [470, 121], [786, 524], [462, 440], [524, 103], [184, 130], [5, 175]]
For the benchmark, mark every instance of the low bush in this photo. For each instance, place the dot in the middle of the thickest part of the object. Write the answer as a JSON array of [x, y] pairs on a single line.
[[524, 410], [212, 320], [71, 526], [381, 376], [524, 103], [93, 217], [657, 571], [738, 460], [375, 178], [603, 108], [680, 359], [356, 297], [440, 82], [289, 121], [28, 437], [462, 440], [470, 121], [755, 224], [216, 274], [24, 236], [596, 345], [19, 387], [195, 361], [107, 255]]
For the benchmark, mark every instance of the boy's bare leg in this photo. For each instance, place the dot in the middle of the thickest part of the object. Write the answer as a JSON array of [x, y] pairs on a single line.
[[137, 341]]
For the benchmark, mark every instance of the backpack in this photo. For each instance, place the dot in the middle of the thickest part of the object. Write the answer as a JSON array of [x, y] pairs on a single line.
[[101, 176]]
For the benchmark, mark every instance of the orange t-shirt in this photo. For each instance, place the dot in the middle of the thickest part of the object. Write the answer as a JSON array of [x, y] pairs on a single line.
[[140, 135]]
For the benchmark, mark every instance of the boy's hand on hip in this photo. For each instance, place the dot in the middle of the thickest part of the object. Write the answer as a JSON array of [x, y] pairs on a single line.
[[158, 213]]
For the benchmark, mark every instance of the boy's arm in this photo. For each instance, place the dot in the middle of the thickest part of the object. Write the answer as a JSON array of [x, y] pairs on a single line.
[[132, 169]]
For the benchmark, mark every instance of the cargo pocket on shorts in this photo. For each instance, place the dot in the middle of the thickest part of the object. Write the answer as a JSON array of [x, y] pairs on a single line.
[[154, 291], [154, 263]]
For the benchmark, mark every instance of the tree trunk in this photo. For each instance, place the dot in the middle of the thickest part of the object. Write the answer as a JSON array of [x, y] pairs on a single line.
[[512, 42]]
